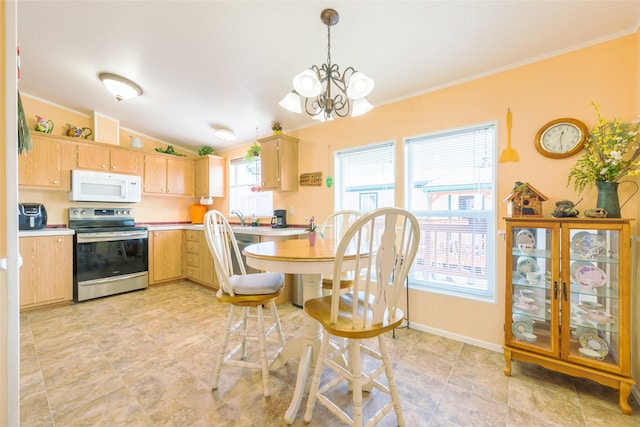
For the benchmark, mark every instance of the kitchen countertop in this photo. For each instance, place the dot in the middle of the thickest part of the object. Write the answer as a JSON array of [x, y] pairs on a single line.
[[256, 231], [46, 232]]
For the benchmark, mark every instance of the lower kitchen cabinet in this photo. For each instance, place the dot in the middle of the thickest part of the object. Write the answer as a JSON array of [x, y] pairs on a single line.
[[198, 261], [46, 275], [165, 255]]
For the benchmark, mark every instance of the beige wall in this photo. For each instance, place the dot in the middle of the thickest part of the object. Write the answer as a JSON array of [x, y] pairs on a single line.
[[561, 86]]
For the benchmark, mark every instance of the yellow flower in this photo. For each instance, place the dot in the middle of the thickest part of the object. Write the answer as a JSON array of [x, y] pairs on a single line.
[[612, 152]]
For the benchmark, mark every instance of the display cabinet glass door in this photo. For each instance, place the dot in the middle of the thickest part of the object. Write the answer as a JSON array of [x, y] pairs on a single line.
[[534, 312], [591, 296]]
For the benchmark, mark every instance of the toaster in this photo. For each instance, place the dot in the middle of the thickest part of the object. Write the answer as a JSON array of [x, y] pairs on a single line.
[[31, 216]]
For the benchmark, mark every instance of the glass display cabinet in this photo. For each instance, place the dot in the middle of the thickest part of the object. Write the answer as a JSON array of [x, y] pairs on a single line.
[[568, 298]]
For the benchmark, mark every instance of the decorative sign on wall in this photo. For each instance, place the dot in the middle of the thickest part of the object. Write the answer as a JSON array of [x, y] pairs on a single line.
[[313, 178]]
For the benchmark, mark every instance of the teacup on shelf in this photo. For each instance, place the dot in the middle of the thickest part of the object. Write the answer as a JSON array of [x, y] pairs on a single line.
[[534, 277]]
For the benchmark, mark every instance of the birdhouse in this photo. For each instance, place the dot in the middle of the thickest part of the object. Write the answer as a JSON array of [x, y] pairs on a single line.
[[525, 200]]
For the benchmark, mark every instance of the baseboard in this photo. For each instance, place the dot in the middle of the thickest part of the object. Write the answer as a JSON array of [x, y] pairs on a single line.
[[461, 338]]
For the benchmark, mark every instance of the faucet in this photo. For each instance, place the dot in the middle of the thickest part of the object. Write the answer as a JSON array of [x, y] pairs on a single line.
[[240, 215]]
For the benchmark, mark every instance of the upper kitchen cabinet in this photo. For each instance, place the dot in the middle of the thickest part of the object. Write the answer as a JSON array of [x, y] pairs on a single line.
[[209, 179], [48, 164], [107, 159], [165, 175], [279, 163]]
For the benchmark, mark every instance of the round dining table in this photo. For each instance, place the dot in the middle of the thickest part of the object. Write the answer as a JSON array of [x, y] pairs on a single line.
[[297, 256]]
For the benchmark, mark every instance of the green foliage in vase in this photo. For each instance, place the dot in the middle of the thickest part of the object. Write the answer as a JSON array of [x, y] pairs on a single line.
[[612, 152]]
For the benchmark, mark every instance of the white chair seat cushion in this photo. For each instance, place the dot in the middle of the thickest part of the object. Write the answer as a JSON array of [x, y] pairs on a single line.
[[256, 283]]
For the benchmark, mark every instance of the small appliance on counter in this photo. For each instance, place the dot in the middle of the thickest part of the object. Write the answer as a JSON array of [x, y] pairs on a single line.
[[197, 213], [279, 219], [31, 216]]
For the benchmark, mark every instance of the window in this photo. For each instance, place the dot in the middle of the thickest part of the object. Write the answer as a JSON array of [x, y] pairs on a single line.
[[365, 178], [450, 187], [244, 193]]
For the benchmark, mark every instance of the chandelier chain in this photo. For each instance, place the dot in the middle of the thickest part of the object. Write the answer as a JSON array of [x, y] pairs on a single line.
[[329, 45]]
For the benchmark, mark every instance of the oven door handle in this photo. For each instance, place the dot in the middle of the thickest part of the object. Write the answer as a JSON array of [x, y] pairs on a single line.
[[112, 279], [111, 236]]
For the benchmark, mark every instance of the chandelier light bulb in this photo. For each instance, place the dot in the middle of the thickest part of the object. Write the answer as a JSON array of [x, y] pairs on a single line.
[[360, 85], [307, 84], [291, 102], [360, 107]]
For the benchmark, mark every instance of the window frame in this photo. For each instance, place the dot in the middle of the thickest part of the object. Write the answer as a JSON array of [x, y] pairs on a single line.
[[338, 157], [243, 207], [486, 214]]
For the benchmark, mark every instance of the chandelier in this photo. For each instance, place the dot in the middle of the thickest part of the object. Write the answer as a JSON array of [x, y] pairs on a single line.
[[317, 83]]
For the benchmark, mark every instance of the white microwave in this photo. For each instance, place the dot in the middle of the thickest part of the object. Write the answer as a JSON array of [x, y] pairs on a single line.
[[90, 186]]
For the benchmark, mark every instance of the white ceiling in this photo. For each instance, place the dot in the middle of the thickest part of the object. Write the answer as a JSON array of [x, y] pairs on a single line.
[[208, 64]]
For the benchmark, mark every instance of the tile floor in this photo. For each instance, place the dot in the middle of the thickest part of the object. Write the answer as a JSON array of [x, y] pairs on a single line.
[[147, 359]]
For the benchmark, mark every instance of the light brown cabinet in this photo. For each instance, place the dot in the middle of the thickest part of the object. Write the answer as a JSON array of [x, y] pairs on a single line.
[[108, 159], [46, 275], [165, 255], [169, 176], [568, 303], [209, 176], [279, 163], [47, 165], [198, 261]]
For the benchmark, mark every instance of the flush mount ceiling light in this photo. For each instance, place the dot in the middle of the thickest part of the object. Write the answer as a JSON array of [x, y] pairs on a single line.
[[225, 134], [120, 87], [316, 84]]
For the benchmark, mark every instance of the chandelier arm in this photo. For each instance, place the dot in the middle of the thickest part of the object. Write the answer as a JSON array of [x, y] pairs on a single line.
[[341, 106]]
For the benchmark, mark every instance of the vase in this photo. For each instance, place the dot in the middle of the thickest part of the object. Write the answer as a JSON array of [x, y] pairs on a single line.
[[608, 197], [312, 238]]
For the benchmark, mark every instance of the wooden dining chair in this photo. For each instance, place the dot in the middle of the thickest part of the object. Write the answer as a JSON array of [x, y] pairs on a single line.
[[333, 228], [382, 246], [244, 291]]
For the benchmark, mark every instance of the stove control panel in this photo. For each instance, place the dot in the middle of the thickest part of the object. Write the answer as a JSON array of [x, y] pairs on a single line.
[[100, 213]]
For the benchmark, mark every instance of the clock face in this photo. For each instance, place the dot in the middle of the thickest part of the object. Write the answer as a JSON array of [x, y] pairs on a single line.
[[561, 138]]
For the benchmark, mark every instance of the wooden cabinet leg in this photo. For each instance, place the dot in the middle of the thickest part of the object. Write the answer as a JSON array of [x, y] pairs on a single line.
[[507, 359], [625, 391]]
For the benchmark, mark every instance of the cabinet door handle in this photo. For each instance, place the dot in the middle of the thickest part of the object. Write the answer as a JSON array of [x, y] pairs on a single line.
[[555, 290], [564, 291]]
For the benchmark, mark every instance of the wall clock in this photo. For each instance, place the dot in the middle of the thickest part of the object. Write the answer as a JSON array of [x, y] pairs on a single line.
[[561, 138]]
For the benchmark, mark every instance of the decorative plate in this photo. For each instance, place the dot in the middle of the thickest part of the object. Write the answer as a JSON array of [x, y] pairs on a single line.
[[526, 265], [525, 237], [575, 265], [590, 354], [590, 245], [595, 343], [590, 276], [574, 239], [521, 327]]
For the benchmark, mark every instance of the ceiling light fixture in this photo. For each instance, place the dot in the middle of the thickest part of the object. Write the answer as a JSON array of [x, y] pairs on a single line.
[[120, 87], [316, 84], [225, 134]]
